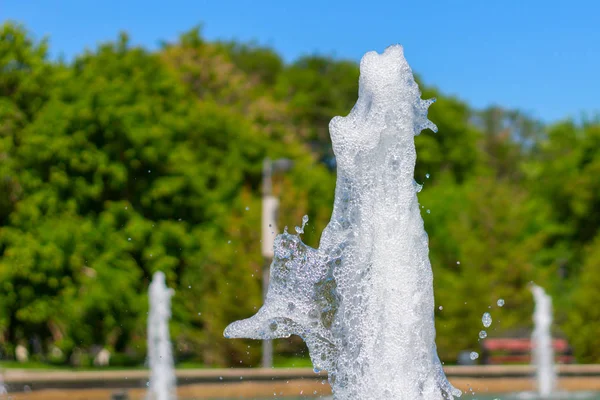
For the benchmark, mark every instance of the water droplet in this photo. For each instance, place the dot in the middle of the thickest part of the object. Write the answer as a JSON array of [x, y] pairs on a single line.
[[247, 208], [428, 211], [440, 307], [427, 176], [300, 230], [474, 355], [229, 242], [458, 263], [482, 335], [500, 302], [129, 239], [486, 319]]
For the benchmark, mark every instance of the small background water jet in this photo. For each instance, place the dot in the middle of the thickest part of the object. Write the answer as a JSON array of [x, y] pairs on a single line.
[[2, 386], [543, 352], [162, 373], [363, 301]]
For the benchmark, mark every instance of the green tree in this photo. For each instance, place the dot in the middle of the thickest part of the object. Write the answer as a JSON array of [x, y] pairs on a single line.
[[582, 324], [453, 149], [127, 170], [564, 174], [26, 78], [485, 239]]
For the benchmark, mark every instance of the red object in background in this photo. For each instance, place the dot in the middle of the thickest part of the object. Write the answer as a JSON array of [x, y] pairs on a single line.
[[519, 351]]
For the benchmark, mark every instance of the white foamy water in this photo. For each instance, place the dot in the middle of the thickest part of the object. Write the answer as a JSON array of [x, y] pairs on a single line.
[[543, 352], [162, 373], [363, 301]]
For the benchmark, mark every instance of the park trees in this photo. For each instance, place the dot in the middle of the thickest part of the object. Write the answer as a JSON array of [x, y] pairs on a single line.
[[126, 170]]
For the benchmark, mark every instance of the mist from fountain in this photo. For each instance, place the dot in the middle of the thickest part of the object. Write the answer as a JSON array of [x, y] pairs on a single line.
[[363, 301], [162, 384]]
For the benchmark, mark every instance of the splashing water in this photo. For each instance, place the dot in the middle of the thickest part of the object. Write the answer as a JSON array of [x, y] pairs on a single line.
[[363, 301], [486, 319], [162, 372], [543, 353]]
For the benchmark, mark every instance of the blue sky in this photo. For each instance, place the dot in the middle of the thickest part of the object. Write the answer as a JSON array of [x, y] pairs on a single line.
[[540, 56]]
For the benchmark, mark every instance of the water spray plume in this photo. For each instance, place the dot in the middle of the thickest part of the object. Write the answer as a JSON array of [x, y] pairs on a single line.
[[160, 356], [363, 301]]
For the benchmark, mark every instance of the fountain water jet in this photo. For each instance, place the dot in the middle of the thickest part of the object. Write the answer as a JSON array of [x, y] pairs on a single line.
[[363, 301], [160, 357], [2, 386], [543, 352]]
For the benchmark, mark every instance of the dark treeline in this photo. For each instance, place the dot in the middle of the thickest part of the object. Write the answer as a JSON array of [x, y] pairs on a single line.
[[125, 161]]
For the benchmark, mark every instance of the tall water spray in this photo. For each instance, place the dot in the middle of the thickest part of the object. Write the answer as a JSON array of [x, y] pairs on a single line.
[[543, 352], [162, 373], [363, 301]]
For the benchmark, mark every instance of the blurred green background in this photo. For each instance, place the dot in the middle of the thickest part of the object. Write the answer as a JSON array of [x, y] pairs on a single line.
[[127, 161]]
